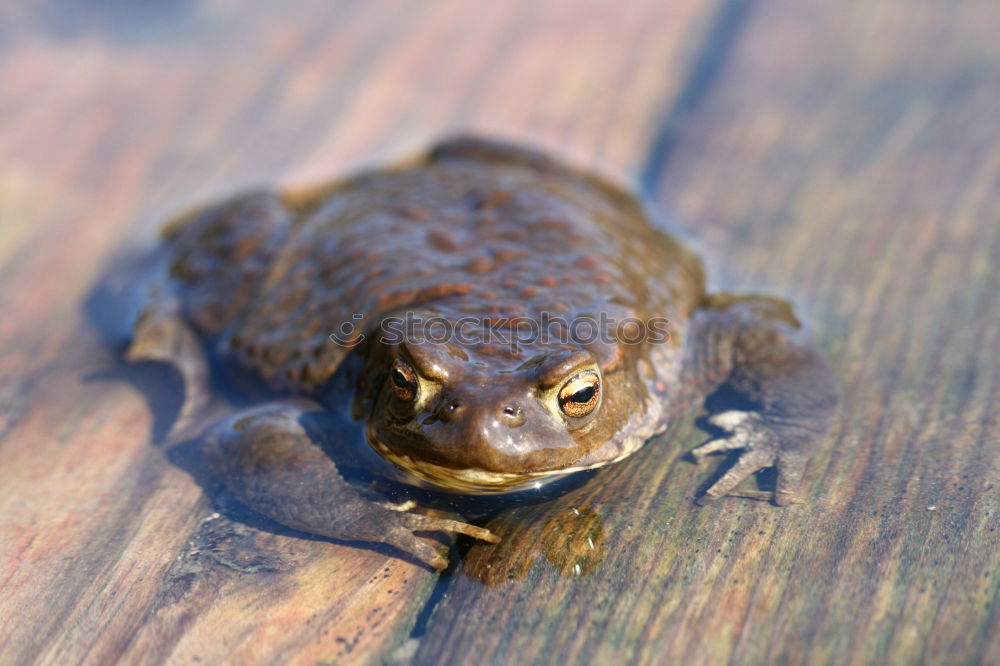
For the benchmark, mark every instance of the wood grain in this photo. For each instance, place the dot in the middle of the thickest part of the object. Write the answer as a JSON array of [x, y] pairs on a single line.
[[114, 116], [846, 154], [860, 144]]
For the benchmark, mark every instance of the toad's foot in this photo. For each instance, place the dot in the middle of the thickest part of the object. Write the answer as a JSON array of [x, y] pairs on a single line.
[[376, 522], [761, 448], [756, 346], [401, 525], [269, 460]]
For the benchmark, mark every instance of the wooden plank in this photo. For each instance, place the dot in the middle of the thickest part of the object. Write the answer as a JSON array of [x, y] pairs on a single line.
[[848, 154], [113, 118]]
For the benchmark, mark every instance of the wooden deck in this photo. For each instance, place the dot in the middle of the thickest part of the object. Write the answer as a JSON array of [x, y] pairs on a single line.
[[845, 154]]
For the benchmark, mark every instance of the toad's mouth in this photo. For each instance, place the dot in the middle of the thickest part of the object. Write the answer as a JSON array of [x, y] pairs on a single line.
[[470, 481]]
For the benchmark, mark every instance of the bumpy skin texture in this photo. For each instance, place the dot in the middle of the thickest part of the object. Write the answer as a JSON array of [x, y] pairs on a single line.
[[474, 230]]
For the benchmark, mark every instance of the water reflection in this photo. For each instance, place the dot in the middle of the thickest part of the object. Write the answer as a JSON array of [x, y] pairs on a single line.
[[572, 540]]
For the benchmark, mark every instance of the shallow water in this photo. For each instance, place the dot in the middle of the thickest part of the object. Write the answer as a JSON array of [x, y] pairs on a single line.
[[836, 155]]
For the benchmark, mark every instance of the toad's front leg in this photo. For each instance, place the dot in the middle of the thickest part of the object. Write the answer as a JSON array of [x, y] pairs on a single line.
[[266, 457], [756, 345]]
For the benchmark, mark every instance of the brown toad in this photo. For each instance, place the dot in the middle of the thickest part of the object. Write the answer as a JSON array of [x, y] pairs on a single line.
[[479, 239]]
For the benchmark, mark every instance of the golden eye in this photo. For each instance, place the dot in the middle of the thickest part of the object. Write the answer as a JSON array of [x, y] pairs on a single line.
[[580, 395], [404, 380]]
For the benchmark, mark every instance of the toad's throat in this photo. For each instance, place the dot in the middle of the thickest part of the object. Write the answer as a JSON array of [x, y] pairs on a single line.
[[471, 481]]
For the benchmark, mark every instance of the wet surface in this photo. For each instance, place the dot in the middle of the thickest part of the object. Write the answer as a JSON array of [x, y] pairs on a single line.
[[838, 155]]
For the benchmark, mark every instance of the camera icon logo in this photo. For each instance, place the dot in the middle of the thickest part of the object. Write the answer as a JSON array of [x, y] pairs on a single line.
[[349, 333]]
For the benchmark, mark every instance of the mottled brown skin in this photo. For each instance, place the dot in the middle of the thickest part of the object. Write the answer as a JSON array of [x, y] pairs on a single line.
[[474, 229]]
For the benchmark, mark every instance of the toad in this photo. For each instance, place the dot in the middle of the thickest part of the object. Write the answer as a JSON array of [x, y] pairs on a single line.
[[509, 320]]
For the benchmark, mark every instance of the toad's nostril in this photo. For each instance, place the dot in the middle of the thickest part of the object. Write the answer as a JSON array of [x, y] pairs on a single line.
[[512, 415], [449, 410]]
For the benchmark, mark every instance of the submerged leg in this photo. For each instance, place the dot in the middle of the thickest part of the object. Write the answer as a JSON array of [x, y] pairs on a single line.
[[208, 270], [161, 334], [269, 461], [755, 344]]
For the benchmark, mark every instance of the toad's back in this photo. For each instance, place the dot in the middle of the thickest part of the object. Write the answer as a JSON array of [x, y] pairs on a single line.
[[473, 232], [476, 231]]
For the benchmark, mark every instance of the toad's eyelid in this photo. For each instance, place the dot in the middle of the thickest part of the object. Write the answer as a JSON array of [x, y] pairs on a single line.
[[585, 378], [581, 381], [565, 371], [405, 375], [404, 365], [425, 368]]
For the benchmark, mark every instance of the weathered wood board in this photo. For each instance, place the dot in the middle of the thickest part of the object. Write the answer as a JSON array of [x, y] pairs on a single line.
[[846, 154], [114, 117], [860, 150]]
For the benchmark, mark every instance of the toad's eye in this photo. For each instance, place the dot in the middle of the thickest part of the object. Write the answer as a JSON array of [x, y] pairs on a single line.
[[404, 380], [580, 395]]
